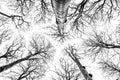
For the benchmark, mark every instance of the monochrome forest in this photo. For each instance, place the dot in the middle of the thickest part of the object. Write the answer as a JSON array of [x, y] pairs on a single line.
[[59, 39]]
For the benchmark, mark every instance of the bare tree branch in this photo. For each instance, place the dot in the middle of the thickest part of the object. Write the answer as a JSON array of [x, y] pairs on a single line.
[[41, 49], [5, 35], [43, 11], [11, 51], [32, 70], [72, 52], [110, 68], [22, 6], [88, 12], [17, 19], [68, 71], [98, 44], [59, 33]]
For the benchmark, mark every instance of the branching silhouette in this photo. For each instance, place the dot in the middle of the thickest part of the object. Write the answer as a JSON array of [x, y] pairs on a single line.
[[41, 50], [73, 54], [97, 9], [68, 71], [60, 9], [5, 35], [18, 20], [87, 12], [110, 68], [43, 11], [59, 33], [33, 70], [22, 6], [42, 47], [100, 44], [13, 50], [80, 16]]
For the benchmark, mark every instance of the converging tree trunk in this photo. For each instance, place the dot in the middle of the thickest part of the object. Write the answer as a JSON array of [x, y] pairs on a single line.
[[60, 8], [71, 52]]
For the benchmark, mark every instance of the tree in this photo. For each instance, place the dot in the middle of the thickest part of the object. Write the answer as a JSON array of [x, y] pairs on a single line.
[[82, 14], [12, 50], [110, 68], [18, 20], [104, 47], [22, 6], [66, 17], [32, 70], [72, 52], [40, 51], [68, 71], [5, 35]]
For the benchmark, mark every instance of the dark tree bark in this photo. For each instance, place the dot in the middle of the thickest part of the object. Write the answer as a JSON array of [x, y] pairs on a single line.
[[71, 51]]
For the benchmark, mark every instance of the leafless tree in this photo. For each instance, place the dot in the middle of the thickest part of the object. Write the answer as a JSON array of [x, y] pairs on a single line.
[[68, 71], [22, 6], [88, 12], [43, 11], [41, 49], [110, 68], [31, 70], [5, 35], [73, 54], [18, 20], [101, 44], [12, 51], [58, 33], [83, 13], [104, 48]]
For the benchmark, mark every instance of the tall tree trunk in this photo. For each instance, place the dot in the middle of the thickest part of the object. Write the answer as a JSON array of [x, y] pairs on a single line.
[[5, 67], [60, 8], [82, 69]]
